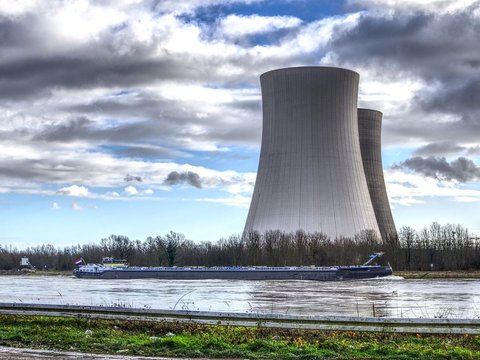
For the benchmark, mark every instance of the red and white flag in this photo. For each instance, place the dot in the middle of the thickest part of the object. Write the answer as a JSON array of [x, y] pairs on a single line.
[[79, 261]]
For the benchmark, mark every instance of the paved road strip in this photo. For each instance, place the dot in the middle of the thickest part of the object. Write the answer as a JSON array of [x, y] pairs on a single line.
[[8, 353]]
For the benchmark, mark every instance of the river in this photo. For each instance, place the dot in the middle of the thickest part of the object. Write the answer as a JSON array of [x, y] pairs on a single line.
[[392, 296]]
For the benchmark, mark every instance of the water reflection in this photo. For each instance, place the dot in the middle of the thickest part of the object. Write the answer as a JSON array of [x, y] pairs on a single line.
[[391, 296]]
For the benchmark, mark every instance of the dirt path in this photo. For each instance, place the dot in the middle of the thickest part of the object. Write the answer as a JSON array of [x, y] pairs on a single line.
[[7, 353]]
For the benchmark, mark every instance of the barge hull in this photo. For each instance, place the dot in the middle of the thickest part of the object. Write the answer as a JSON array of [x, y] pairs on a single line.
[[334, 274]]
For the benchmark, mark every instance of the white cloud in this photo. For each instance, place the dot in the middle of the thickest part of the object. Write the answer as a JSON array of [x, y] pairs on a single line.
[[318, 34], [467, 198], [240, 25], [237, 200], [388, 94], [131, 190], [310, 39], [81, 20], [75, 206], [14, 8], [409, 189], [437, 6], [180, 7], [73, 190], [55, 206]]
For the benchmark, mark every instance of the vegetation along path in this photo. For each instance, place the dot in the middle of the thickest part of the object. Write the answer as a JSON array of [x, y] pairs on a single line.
[[266, 320], [178, 339]]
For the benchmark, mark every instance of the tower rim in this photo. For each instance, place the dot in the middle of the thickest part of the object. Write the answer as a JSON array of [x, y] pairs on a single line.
[[308, 67], [370, 110]]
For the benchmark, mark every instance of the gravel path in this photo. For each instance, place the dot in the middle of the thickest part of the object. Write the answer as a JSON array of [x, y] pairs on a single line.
[[7, 353]]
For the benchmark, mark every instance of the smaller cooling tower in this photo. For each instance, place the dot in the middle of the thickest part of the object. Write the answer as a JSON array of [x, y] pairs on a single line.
[[370, 132]]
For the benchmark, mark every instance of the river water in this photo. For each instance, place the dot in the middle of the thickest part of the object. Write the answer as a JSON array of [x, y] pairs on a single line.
[[392, 296]]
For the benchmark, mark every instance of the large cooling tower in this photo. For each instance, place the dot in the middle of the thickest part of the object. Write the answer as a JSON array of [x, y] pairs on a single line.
[[310, 176], [370, 131]]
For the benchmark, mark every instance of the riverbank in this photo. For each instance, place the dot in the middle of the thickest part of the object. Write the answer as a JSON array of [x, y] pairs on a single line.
[[28, 272], [438, 274], [405, 274], [194, 340]]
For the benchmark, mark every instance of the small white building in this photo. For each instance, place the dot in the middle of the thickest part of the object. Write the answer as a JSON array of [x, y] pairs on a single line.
[[25, 263]]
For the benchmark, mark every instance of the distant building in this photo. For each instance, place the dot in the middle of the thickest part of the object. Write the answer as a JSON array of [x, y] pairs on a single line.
[[311, 174], [26, 264]]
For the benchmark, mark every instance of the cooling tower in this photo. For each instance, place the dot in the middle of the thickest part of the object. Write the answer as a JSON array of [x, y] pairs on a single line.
[[370, 131], [310, 175]]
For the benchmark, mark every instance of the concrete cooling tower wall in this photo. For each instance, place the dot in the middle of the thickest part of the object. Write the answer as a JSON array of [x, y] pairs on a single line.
[[370, 131], [310, 176]]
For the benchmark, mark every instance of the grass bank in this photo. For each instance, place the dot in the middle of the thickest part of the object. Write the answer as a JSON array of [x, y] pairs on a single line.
[[191, 340], [458, 274], [16, 272]]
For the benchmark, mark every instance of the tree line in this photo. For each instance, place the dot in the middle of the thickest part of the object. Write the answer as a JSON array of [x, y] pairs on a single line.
[[436, 247]]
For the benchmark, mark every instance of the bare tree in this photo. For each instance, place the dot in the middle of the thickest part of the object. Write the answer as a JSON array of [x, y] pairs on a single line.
[[407, 240], [119, 246]]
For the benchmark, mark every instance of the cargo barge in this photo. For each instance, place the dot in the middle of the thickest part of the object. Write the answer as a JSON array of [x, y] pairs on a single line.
[[333, 273]]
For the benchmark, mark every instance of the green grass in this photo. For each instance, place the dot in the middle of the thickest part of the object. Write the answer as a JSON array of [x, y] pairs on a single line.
[[153, 338], [457, 274]]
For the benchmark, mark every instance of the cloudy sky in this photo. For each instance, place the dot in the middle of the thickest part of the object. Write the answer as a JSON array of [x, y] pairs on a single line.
[[139, 117]]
